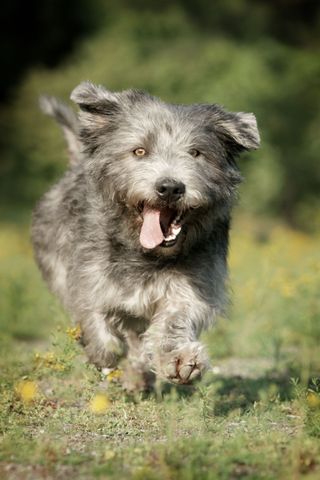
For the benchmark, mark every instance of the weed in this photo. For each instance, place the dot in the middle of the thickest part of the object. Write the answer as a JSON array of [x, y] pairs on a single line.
[[256, 415]]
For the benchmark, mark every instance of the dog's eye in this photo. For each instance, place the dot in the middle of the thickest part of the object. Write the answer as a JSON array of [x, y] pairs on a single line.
[[139, 152], [194, 152]]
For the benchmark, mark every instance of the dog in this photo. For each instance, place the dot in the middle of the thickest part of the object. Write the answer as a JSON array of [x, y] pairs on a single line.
[[134, 237]]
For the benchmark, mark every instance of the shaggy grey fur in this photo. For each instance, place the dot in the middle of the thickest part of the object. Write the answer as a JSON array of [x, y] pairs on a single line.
[[96, 238]]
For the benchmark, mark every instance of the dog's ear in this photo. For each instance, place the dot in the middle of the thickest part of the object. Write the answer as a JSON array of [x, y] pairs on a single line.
[[238, 130], [95, 99], [99, 110]]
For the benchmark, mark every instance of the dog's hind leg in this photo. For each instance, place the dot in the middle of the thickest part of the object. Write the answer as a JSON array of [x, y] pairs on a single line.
[[137, 376], [103, 343]]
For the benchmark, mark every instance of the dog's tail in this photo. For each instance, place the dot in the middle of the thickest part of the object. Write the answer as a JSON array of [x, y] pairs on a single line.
[[67, 120]]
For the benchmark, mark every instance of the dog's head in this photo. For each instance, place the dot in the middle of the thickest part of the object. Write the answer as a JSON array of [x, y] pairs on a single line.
[[172, 167]]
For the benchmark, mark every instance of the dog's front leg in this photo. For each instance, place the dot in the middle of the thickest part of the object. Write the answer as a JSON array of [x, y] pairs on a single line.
[[170, 343]]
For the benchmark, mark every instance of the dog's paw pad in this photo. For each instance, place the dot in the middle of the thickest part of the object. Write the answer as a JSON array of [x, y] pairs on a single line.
[[171, 370], [186, 370], [186, 364]]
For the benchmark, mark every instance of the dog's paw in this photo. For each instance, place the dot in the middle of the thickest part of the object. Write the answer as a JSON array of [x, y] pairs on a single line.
[[183, 365], [136, 378]]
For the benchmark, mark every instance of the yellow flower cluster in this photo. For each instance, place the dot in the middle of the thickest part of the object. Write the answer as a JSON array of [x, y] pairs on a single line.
[[27, 391], [49, 360], [288, 261], [74, 332]]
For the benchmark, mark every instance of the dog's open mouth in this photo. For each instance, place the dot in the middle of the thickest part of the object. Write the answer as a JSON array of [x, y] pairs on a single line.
[[160, 227]]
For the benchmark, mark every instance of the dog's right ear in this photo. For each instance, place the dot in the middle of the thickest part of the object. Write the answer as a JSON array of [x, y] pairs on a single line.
[[98, 113], [94, 99]]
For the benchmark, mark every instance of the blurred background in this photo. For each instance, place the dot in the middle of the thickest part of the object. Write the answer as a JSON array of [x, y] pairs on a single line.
[[260, 56], [251, 55]]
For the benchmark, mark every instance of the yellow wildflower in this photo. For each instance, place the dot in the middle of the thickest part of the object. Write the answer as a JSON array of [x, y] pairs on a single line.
[[27, 391], [99, 403], [114, 375], [74, 332], [313, 400], [49, 360]]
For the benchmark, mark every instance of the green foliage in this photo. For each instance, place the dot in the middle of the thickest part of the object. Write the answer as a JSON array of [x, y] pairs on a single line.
[[243, 55]]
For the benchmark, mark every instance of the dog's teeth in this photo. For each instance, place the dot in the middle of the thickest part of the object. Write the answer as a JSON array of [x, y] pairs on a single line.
[[170, 237], [176, 230]]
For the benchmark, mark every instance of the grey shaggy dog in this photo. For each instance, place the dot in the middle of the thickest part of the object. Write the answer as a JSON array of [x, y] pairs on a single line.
[[134, 238]]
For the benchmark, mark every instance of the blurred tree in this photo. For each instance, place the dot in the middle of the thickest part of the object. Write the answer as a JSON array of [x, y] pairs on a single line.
[[40, 32], [261, 55], [294, 22]]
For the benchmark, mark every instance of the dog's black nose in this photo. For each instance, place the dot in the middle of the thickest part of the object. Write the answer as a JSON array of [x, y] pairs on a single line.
[[170, 190]]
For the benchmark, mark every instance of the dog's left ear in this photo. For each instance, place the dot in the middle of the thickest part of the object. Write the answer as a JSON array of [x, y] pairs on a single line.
[[238, 130]]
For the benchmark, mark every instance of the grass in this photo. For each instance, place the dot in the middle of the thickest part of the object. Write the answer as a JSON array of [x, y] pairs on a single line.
[[256, 415]]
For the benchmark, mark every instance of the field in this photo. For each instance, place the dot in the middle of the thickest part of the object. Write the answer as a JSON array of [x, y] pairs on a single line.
[[255, 415]]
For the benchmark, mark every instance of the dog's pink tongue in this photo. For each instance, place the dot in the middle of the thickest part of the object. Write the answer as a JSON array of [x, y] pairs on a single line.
[[151, 234]]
